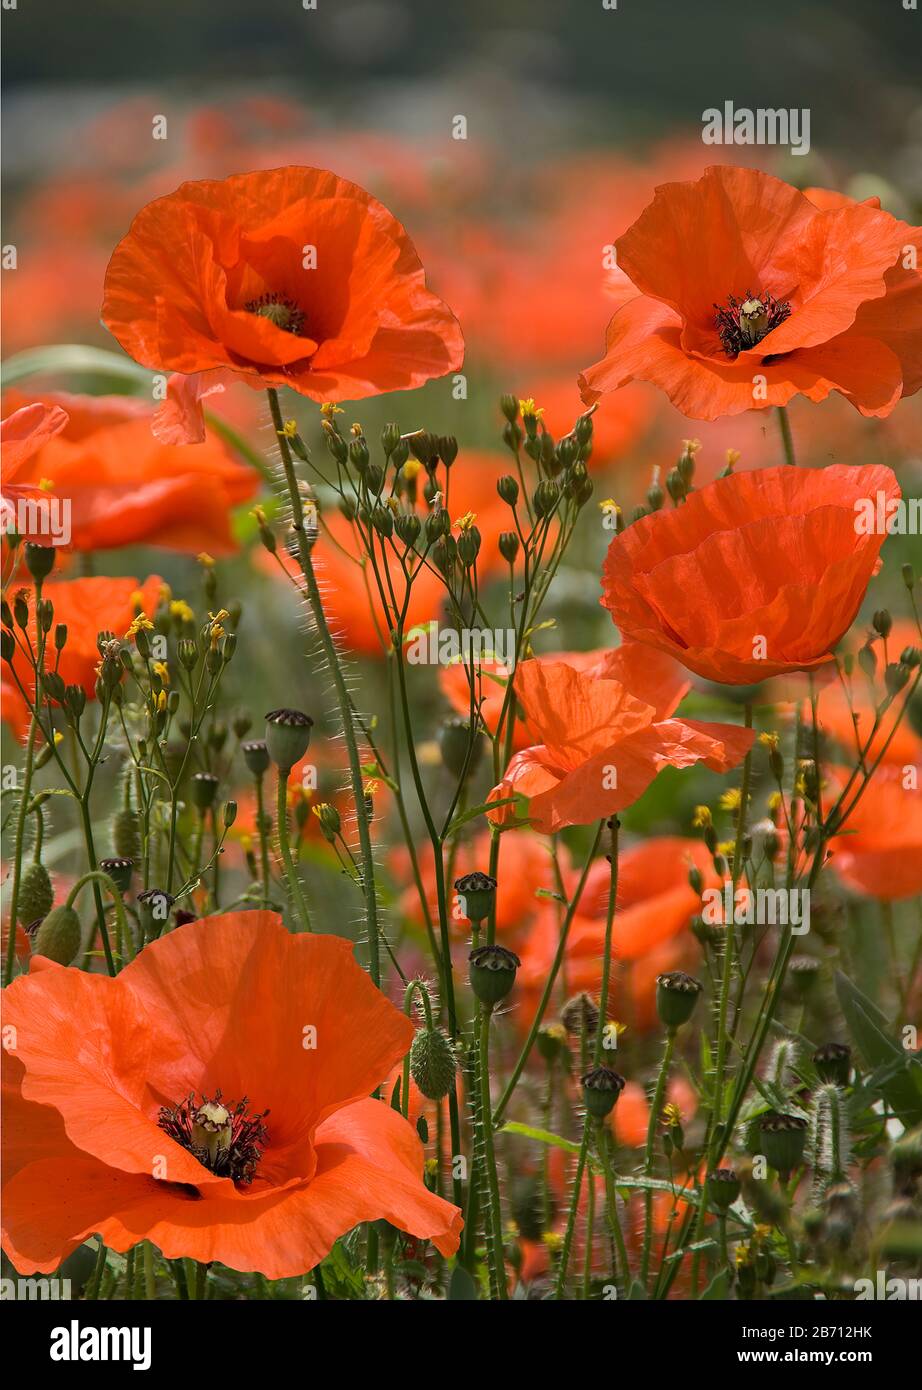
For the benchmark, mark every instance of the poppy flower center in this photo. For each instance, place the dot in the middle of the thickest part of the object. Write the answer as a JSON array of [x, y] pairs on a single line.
[[280, 310], [227, 1140], [745, 322]]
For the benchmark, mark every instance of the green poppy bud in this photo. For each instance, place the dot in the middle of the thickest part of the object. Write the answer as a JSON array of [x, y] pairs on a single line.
[[36, 895], [432, 1063], [58, 937]]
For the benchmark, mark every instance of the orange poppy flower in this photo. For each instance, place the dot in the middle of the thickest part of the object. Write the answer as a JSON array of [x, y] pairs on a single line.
[[603, 740], [125, 488], [86, 607], [241, 1130], [754, 575], [23, 434], [880, 853], [285, 277], [745, 283]]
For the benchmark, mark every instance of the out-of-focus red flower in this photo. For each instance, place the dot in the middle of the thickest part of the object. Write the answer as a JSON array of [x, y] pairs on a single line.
[[126, 488], [24, 433], [604, 737], [285, 277], [847, 713], [880, 853], [744, 282], [86, 607], [754, 575]]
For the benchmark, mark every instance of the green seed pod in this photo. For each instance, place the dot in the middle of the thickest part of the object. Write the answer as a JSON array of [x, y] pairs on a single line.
[[476, 894], [782, 1139], [58, 937], [256, 756], [203, 790], [601, 1089], [288, 735], [492, 971], [36, 895], [39, 560], [153, 911], [833, 1061], [723, 1188], [119, 870], [454, 739], [432, 1063], [676, 997], [126, 834]]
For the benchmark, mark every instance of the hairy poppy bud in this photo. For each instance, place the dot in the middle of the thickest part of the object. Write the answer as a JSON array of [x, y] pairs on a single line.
[[492, 972], [579, 1013], [119, 870], [477, 894], [58, 937], [723, 1188], [39, 560], [36, 895], [256, 756], [833, 1062], [288, 735], [676, 997], [126, 834], [432, 1063], [601, 1089]]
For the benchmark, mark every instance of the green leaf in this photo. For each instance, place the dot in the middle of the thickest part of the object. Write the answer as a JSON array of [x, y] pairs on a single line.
[[541, 1136], [866, 1024], [476, 811], [65, 359], [719, 1287]]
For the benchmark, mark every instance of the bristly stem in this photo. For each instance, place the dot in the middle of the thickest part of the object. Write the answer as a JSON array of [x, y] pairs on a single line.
[[291, 870], [493, 1215], [656, 1106], [614, 825], [787, 437], [339, 680]]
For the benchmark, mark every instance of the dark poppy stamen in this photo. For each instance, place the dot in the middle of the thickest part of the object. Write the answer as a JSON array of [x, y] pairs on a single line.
[[226, 1140], [745, 322], [279, 309]]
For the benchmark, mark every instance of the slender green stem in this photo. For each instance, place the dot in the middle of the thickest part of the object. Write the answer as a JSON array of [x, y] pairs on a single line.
[[295, 890], [263, 837], [332, 656], [606, 1159], [18, 848], [614, 826], [493, 1212], [95, 1283], [787, 438], [567, 1246], [656, 1106]]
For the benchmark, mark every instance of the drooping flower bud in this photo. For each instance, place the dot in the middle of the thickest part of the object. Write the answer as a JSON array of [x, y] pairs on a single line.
[[432, 1063], [460, 755], [36, 895], [58, 937]]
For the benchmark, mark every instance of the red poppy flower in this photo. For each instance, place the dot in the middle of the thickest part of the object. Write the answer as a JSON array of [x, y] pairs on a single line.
[[754, 575], [285, 277], [749, 294], [238, 1129], [654, 907], [125, 488], [880, 853], [23, 434], [604, 741], [86, 607]]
